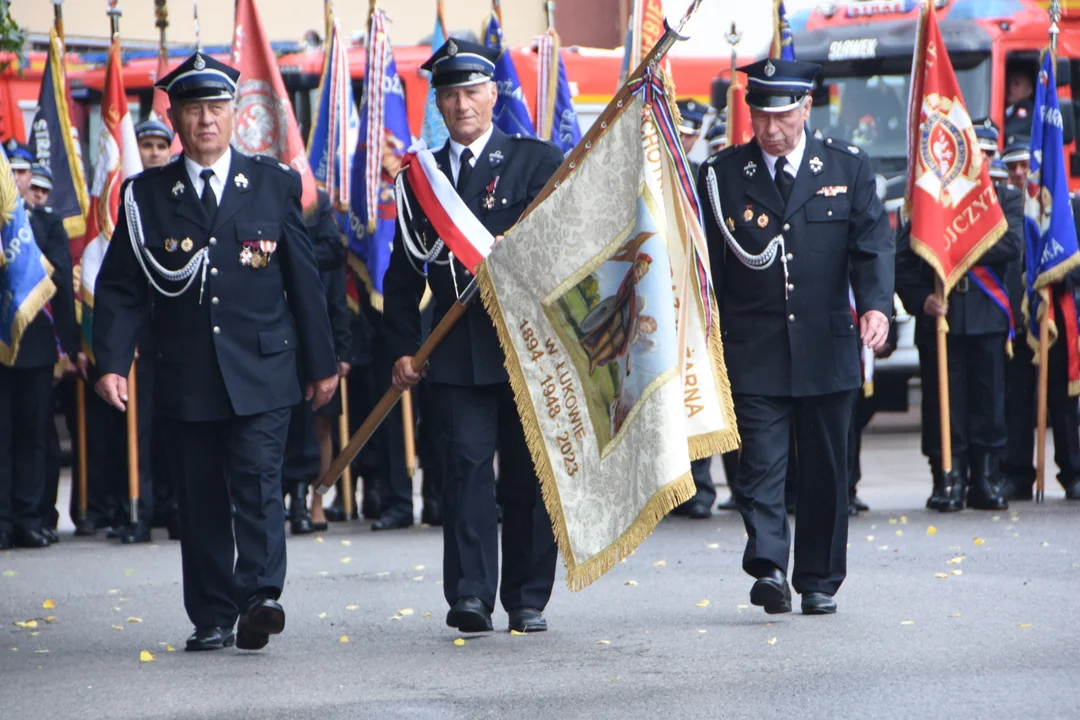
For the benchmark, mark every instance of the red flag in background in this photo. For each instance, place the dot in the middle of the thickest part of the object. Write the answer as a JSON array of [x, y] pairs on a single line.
[[954, 211], [159, 109], [265, 123], [739, 129]]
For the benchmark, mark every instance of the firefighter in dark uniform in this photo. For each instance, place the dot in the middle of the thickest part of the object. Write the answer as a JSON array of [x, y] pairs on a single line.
[[789, 219], [211, 254], [471, 405], [26, 386], [979, 329], [1018, 468], [1019, 98]]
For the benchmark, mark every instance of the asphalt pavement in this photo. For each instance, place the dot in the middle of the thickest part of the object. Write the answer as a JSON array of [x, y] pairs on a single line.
[[972, 615]]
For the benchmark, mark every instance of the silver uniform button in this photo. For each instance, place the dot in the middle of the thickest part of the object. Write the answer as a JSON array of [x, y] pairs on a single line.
[[787, 226], [791, 318], [214, 301], [791, 286], [791, 256], [213, 271], [213, 241], [829, 213], [217, 330]]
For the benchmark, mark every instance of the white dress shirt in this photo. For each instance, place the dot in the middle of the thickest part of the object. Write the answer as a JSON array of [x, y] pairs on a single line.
[[794, 159], [217, 183], [477, 147]]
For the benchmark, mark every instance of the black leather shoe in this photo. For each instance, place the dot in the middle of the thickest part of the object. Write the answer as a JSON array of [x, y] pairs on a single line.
[[391, 523], [85, 528], [319, 526], [173, 526], [30, 539], [7, 542], [115, 532], [527, 620], [469, 615], [698, 510], [852, 510], [50, 535], [139, 533], [301, 526], [983, 484], [859, 504], [431, 514], [772, 593], [263, 618], [210, 638], [728, 504], [1012, 488], [816, 603], [1073, 491], [334, 513]]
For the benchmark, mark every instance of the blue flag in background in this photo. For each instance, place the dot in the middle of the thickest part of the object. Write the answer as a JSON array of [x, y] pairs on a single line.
[[333, 137], [565, 130], [370, 251], [25, 285], [511, 112], [1049, 229], [434, 131], [786, 41]]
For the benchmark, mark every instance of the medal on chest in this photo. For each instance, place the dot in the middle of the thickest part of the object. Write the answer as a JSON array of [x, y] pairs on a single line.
[[488, 201]]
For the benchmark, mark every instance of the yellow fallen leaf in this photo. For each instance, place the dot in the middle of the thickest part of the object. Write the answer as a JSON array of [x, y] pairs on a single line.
[[459, 641], [134, 620], [703, 603], [41, 652], [957, 560], [903, 519], [169, 648], [742, 607], [319, 539], [996, 518], [418, 578], [907, 622], [979, 541], [630, 583], [114, 591], [1044, 544], [660, 563], [931, 530], [352, 607], [117, 627], [892, 521], [116, 609], [50, 619], [35, 633], [940, 575], [322, 573], [49, 605], [956, 572], [396, 617], [346, 543], [129, 572], [771, 641], [702, 631], [516, 632], [10, 573], [955, 615], [418, 567], [1024, 626], [146, 656], [426, 615], [869, 538], [322, 615], [899, 533], [343, 639], [28, 624], [405, 612], [346, 560], [713, 546], [603, 642]]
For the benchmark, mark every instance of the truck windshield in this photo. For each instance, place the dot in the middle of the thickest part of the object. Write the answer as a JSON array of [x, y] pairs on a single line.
[[870, 111]]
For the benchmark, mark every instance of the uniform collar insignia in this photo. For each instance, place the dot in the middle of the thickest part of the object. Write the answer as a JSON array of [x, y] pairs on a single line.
[[816, 165], [750, 169], [178, 188], [241, 181], [495, 158], [854, 150]]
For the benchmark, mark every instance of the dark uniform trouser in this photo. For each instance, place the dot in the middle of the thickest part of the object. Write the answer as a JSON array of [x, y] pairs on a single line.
[[1021, 378], [701, 470], [821, 519], [106, 433], [861, 416], [25, 413], [301, 452], [470, 424], [219, 465], [976, 395]]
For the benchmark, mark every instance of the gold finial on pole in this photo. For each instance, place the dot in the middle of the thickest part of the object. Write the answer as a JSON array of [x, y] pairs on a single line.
[[549, 5], [195, 22], [1055, 18], [733, 37]]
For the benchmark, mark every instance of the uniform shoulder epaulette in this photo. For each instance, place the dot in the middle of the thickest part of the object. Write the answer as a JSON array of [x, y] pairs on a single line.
[[843, 146], [271, 162], [150, 172], [727, 152], [533, 138]]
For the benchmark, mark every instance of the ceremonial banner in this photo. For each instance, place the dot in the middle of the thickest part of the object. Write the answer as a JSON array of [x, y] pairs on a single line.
[[605, 314], [159, 110], [56, 146], [557, 119], [25, 285], [381, 143], [265, 123], [1049, 227], [511, 112], [953, 207], [783, 44], [434, 130], [335, 129], [646, 28], [118, 159]]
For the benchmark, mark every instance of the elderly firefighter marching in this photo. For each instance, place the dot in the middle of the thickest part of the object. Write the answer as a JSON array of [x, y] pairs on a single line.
[[952, 254]]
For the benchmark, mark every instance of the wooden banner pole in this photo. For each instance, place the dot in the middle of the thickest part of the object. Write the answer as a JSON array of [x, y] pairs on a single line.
[[133, 446]]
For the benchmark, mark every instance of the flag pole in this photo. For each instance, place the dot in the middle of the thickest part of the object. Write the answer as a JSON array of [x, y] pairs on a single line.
[[943, 384], [1042, 389], [58, 17], [132, 417], [409, 427], [161, 21], [549, 6], [343, 440], [195, 24], [468, 296]]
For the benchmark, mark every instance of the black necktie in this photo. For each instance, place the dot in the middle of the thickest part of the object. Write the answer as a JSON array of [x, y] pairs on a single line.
[[465, 170], [783, 180], [209, 199]]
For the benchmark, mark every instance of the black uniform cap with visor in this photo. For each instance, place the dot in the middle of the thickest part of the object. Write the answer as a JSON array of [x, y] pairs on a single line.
[[776, 86], [460, 63]]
